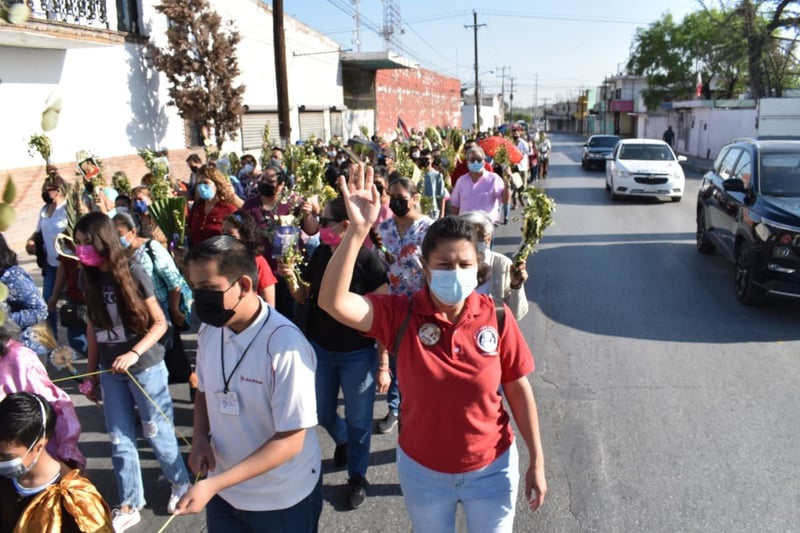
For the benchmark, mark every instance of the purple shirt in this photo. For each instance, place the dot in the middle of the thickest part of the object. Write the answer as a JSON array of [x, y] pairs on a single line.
[[482, 195]]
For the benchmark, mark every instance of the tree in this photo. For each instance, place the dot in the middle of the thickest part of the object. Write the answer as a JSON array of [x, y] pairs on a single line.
[[771, 32], [669, 54], [199, 61]]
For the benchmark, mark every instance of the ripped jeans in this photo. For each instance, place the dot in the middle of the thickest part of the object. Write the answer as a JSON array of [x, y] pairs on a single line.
[[120, 395]]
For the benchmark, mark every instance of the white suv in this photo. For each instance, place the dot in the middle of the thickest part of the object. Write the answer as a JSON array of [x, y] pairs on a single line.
[[644, 167]]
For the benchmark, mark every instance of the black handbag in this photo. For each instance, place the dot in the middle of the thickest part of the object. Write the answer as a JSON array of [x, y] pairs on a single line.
[[41, 251], [73, 316]]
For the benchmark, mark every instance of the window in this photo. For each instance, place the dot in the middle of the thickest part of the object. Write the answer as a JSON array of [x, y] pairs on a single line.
[[728, 164], [780, 174], [744, 168]]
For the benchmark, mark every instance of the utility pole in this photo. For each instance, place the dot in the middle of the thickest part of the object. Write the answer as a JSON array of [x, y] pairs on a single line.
[[511, 100], [284, 126], [536, 99], [544, 114], [356, 40], [475, 27], [503, 91]]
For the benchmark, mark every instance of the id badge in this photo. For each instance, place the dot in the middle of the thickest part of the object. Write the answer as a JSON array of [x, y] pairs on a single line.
[[228, 403]]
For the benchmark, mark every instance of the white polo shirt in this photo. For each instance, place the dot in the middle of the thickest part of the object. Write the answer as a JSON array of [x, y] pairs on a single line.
[[274, 387]]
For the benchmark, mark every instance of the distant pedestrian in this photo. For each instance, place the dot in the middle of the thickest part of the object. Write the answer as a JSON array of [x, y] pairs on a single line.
[[480, 190], [669, 136]]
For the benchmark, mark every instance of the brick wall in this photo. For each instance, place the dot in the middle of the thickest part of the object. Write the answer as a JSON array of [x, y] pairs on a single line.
[[29, 188], [421, 97]]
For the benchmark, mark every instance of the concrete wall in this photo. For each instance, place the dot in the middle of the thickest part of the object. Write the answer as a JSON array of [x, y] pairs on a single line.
[[421, 97], [779, 118], [705, 130]]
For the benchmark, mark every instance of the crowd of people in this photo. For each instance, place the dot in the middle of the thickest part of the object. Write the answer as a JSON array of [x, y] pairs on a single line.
[[390, 288]]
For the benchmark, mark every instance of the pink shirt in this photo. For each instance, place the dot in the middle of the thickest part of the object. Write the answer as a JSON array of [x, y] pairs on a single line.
[[484, 194], [21, 371]]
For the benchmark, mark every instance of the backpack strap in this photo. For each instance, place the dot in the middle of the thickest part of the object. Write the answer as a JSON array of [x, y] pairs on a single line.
[[500, 314], [400, 332]]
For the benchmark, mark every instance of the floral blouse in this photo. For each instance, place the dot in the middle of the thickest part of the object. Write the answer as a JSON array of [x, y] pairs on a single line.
[[405, 271], [25, 305]]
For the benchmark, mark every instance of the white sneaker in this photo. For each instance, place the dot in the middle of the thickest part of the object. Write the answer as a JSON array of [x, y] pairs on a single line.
[[122, 521], [177, 493]]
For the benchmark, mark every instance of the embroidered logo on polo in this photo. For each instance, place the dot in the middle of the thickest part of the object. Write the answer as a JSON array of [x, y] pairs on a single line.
[[429, 334], [487, 340]]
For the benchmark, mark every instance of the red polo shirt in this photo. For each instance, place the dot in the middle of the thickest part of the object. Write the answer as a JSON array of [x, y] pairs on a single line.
[[449, 374]]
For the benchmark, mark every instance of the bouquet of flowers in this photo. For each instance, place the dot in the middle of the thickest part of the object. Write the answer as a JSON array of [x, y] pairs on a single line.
[[537, 216], [158, 165]]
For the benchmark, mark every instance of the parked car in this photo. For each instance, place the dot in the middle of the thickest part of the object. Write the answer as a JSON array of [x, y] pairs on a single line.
[[748, 208], [644, 167], [596, 149]]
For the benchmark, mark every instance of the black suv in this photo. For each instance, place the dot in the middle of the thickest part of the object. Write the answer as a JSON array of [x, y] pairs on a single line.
[[596, 149], [748, 207]]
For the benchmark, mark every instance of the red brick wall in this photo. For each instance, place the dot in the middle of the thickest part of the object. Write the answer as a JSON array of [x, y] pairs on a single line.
[[29, 188], [421, 97]]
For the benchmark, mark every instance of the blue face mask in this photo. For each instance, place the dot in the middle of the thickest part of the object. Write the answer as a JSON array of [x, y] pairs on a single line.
[[248, 168], [205, 191], [452, 287], [139, 207], [124, 242], [475, 166]]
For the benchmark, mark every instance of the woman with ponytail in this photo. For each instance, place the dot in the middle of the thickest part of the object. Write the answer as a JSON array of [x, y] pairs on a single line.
[[125, 323]]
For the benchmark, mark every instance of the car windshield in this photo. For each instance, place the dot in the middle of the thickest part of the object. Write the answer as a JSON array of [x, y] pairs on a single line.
[[780, 174], [646, 152], [603, 142]]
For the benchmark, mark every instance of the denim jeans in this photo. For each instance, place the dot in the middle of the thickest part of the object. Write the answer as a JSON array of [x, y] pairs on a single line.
[[120, 395], [487, 495], [48, 284], [354, 373], [303, 517], [393, 394]]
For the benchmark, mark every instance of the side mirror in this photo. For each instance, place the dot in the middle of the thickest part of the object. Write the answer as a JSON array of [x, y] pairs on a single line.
[[681, 158], [733, 185], [585, 145]]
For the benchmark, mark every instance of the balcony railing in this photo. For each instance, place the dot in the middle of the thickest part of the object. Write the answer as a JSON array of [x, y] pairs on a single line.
[[79, 12]]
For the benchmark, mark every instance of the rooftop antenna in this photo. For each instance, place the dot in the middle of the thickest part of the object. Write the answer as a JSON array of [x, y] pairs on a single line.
[[356, 39], [392, 29]]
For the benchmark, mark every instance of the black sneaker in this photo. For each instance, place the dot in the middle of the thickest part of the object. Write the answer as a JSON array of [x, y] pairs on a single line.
[[356, 491], [388, 423], [340, 455]]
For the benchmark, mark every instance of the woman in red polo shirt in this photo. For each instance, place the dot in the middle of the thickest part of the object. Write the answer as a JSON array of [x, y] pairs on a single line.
[[214, 201], [454, 355]]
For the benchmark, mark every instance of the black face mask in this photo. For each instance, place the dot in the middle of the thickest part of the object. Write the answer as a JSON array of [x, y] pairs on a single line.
[[399, 206], [381, 187], [266, 189], [46, 197], [209, 306]]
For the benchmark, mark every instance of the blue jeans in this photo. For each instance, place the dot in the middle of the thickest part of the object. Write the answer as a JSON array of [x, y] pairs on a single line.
[[120, 395], [303, 517], [354, 373], [487, 495], [48, 284], [393, 394]]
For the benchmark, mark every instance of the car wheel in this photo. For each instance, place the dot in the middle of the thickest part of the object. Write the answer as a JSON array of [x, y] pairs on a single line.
[[676, 199], [583, 164], [608, 187], [704, 245], [611, 194], [746, 291]]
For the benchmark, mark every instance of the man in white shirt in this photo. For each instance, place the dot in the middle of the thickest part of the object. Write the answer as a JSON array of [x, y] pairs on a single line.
[[255, 409], [522, 146]]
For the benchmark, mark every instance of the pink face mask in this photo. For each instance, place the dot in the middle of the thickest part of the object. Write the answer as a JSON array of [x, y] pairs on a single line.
[[88, 255], [327, 236]]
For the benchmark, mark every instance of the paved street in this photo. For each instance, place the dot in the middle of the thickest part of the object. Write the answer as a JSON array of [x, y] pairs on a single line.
[[665, 405]]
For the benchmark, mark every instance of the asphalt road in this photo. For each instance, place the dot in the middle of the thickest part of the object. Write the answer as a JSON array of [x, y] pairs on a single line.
[[665, 405]]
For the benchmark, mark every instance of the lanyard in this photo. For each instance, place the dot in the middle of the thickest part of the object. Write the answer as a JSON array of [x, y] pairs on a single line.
[[227, 380]]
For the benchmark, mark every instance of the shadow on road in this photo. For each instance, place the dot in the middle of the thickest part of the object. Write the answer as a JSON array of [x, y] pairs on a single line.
[[674, 294]]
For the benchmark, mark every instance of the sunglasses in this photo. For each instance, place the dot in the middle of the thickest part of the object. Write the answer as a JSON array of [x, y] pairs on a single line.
[[324, 221], [473, 160]]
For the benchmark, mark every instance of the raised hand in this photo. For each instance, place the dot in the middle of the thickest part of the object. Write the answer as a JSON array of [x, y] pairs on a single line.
[[361, 198]]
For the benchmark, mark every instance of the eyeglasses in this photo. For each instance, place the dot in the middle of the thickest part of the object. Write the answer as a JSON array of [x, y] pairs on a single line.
[[474, 160]]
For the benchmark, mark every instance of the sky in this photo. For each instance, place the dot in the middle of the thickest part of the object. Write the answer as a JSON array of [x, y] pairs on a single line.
[[566, 45]]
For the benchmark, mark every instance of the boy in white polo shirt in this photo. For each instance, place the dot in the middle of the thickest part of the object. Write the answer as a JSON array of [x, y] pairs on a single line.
[[255, 409]]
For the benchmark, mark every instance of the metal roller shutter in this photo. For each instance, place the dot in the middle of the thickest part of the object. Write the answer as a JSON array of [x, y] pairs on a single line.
[[253, 129], [312, 123]]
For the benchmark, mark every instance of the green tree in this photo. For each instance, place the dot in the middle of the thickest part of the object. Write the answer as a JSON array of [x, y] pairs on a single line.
[[199, 61], [669, 54], [771, 33]]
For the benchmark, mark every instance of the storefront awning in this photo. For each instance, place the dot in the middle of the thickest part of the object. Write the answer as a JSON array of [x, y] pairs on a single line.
[[375, 60]]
